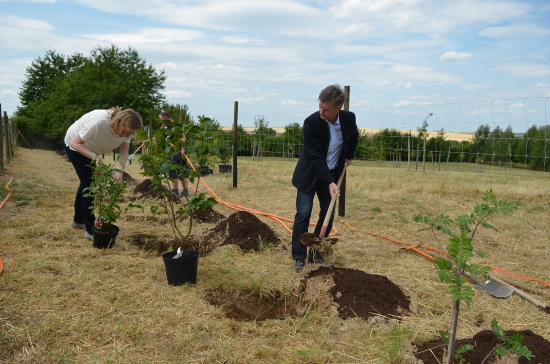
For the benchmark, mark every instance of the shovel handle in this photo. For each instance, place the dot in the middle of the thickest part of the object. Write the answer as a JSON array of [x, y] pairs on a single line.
[[521, 293], [332, 203], [431, 257]]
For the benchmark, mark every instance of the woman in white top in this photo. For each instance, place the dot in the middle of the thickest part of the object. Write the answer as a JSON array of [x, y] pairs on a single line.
[[95, 133]]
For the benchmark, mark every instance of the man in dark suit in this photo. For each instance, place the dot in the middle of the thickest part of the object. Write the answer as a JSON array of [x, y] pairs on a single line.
[[330, 139]]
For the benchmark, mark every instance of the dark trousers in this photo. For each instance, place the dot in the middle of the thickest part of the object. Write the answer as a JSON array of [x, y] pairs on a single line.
[[304, 206], [82, 204]]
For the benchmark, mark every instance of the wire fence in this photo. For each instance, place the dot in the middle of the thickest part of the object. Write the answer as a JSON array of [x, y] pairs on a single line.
[[494, 136]]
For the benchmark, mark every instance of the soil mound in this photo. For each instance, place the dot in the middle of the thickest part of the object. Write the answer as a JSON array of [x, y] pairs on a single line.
[[341, 292], [241, 228], [145, 189], [208, 216], [244, 230], [484, 342], [129, 179], [359, 294]]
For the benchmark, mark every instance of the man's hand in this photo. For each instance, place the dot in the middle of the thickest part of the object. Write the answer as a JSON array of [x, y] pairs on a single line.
[[333, 189]]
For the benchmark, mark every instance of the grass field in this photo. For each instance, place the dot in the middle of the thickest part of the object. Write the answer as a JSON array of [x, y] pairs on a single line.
[[63, 301]]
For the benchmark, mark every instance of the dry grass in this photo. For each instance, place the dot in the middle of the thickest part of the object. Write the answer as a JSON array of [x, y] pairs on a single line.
[[61, 300]]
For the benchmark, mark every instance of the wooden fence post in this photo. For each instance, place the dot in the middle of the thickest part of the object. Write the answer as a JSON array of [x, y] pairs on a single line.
[[235, 144], [1, 142], [342, 199], [7, 139]]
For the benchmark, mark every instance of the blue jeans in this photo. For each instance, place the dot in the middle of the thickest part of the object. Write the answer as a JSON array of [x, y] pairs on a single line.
[[82, 204], [304, 206]]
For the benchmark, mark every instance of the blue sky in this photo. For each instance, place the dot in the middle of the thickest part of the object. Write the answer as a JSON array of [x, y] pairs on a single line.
[[399, 57]]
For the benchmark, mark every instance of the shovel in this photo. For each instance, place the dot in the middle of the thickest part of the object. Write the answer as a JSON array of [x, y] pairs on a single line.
[[493, 288], [332, 203]]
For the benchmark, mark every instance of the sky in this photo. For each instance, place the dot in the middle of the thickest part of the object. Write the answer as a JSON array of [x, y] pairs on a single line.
[[463, 60]]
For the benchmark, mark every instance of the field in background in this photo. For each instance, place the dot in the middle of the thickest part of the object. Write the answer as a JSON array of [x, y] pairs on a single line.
[[431, 134], [64, 301]]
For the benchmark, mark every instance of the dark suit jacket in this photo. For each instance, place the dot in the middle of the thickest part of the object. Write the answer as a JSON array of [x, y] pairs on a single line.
[[312, 165]]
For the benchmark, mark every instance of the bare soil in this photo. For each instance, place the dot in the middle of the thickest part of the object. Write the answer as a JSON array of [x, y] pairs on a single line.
[[484, 342]]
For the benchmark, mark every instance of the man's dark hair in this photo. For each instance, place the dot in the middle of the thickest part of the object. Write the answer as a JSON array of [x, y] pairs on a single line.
[[333, 94], [165, 115]]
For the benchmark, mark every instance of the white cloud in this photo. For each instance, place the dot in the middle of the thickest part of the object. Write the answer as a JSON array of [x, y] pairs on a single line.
[[260, 99], [274, 53], [292, 103], [454, 56], [473, 87], [179, 94], [409, 103], [405, 85], [357, 29], [149, 35], [524, 70], [244, 40], [516, 31], [26, 23]]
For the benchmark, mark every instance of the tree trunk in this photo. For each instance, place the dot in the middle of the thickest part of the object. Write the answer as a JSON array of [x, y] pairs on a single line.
[[452, 333]]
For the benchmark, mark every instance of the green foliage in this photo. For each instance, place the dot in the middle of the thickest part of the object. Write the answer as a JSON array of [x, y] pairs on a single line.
[[59, 89], [200, 140], [107, 193], [157, 165], [507, 344], [459, 249], [461, 350]]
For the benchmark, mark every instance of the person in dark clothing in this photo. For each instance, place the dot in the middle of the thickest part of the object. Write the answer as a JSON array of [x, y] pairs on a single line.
[[177, 158], [330, 138]]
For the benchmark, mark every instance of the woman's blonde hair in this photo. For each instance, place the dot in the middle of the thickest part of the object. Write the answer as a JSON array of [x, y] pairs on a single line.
[[128, 117]]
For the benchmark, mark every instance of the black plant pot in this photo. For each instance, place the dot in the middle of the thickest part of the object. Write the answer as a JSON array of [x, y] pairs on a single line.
[[205, 170], [223, 168], [105, 239], [183, 269]]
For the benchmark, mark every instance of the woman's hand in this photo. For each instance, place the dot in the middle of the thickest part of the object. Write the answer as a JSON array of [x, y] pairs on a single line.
[[119, 177]]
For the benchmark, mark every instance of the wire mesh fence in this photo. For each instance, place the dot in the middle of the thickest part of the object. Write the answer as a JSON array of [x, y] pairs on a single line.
[[494, 136]]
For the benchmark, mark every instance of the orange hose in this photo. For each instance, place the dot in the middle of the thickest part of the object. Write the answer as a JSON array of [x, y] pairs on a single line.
[[8, 195], [410, 246], [279, 219]]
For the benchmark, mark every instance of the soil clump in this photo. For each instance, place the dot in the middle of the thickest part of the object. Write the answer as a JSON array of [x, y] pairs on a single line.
[[484, 342], [242, 229]]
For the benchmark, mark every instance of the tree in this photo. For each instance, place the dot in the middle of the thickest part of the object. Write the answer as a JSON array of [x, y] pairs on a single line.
[[59, 89], [481, 137], [121, 77], [460, 250], [422, 135], [294, 139]]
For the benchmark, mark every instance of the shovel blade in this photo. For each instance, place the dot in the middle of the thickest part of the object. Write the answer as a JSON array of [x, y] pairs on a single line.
[[494, 288]]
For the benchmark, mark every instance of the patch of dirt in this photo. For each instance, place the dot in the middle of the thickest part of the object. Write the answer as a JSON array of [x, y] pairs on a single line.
[[145, 189], [321, 245], [208, 216], [151, 243], [160, 245], [360, 294], [247, 305], [484, 342], [129, 179], [339, 292], [242, 229]]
